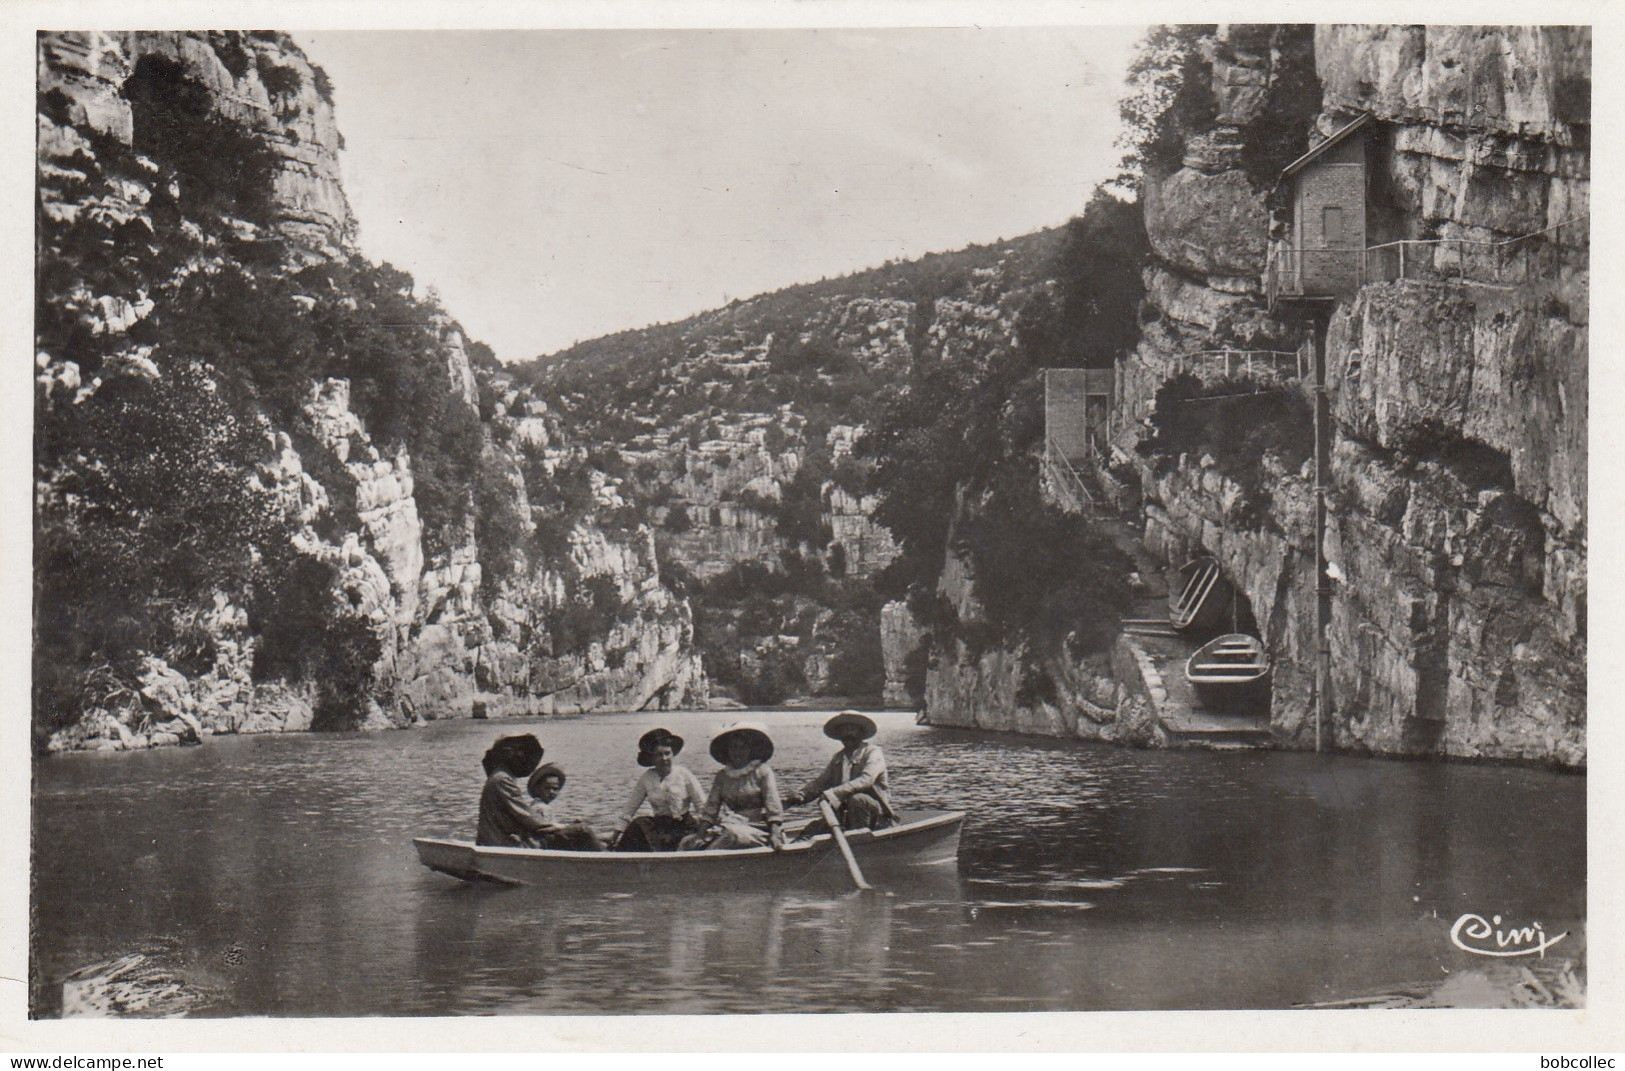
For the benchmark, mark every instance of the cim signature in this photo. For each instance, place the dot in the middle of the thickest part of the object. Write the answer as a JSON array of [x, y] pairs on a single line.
[[1518, 941]]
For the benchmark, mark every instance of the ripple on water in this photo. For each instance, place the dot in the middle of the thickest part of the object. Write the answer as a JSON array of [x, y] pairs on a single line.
[[297, 849]]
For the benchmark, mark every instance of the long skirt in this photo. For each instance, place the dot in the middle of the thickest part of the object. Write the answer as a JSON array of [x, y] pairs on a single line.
[[656, 833], [735, 832]]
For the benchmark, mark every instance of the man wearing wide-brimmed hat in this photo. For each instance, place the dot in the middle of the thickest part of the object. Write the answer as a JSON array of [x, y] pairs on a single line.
[[855, 782]]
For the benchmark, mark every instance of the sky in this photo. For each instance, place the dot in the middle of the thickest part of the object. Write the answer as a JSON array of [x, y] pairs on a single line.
[[558, 185]]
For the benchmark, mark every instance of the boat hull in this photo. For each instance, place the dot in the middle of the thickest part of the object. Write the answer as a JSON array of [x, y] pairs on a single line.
[[1199, 601], [922, 842], [1231, 674]]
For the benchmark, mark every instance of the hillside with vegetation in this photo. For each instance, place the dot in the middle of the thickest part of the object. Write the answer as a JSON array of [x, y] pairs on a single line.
[[803, 454], [276, 486]]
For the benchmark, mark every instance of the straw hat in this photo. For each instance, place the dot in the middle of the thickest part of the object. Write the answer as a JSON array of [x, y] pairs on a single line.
[[543, 773], [657, 738], [846, 719], [761, 745]]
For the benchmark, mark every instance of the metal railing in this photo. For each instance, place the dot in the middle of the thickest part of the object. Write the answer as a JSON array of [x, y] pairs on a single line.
[[1208, 365], [1068, 483], [1505, 263]]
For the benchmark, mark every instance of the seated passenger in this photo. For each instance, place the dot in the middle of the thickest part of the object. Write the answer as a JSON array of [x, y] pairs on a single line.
[[672, 792], [743, 810], [505, 817], [855, 782], [545, 785]]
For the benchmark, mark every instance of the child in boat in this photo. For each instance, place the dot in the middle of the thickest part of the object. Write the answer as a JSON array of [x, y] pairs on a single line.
[[672, 792], [855, 782], [505, 815], [744, 809], [545, 785]]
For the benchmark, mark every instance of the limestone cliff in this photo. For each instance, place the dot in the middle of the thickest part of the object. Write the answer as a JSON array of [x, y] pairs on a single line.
[[1457, 385], [738, 435], [444, 606]]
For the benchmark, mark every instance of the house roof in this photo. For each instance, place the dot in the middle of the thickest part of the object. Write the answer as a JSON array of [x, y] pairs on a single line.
[[1324, 147]]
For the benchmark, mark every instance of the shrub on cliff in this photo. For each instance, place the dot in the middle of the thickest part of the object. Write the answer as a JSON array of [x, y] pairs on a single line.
[[857, 667], [218, 166], [956, 451], [278, 333], [1170, 96], [153, 510], [1043, 576], [498, 527], [148, 504], [677, 520], [1279, 134], [1235, 423]]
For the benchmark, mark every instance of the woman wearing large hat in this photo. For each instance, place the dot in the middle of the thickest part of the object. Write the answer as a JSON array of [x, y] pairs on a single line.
[[672, 792], [505, 814], [744, 809], [855, 782]]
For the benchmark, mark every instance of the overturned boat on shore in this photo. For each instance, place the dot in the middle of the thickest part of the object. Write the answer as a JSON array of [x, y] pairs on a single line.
[[1200, 598], [1231, 673]]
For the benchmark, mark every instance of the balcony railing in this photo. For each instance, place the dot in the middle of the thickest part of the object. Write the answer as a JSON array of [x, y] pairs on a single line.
[[1066, 483], [1257, 365], [1328, 272]]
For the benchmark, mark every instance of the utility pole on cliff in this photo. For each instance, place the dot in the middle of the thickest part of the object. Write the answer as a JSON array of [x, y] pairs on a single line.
[[1323, 582]]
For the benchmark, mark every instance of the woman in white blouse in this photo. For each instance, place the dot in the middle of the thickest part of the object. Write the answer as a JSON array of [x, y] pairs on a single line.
[[672, 792]]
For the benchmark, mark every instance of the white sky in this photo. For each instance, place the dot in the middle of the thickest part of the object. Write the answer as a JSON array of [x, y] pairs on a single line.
[[560, 185]]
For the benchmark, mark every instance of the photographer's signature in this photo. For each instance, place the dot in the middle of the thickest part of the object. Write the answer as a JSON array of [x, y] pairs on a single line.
[[1481, 937]]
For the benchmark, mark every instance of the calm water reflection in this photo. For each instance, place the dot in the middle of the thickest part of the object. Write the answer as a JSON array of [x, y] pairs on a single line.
[[278, 872]]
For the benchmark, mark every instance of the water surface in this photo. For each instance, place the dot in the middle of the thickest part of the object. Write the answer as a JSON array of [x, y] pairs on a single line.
[[278, 872]]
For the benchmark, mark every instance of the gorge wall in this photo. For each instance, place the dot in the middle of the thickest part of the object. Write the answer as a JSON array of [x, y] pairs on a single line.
[[738, 435], [420, 579], [258, 511], [1458, 393]]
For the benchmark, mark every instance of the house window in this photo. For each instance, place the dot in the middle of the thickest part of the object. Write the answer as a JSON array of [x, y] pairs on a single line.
[[1331, 225]]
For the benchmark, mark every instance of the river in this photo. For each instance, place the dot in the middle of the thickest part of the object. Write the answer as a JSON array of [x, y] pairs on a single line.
[[277, 873]]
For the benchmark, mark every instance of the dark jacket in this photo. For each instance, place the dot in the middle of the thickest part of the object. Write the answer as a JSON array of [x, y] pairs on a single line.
[[506, 819]]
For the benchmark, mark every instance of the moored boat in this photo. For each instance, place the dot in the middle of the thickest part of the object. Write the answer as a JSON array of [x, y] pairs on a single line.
[[926, 840], [1230, 673], [1200, 598]]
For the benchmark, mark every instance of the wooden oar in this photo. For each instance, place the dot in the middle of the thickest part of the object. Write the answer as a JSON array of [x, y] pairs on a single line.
[[840, 841]]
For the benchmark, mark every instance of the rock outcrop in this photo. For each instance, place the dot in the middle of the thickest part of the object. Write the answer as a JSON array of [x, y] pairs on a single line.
[[1458, 395], [449, 643]]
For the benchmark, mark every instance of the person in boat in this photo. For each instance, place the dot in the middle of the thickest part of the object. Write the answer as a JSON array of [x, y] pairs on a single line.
[[505, 818], [744, 809], [672, 792], [554, 832], [855, 782]]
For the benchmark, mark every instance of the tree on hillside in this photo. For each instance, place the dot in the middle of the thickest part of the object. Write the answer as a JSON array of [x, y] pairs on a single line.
[[1170, 94]]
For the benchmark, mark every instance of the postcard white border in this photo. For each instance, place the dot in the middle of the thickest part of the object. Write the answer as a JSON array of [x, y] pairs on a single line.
[[1600, 1027]]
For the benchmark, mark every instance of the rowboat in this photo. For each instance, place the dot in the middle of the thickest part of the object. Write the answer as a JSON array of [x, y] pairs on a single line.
[[1230, 673], [923, 841], [1198, 600]]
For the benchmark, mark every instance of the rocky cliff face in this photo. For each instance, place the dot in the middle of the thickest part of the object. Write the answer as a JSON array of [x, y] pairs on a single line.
[[445, 640], [1458, 394], [736, 434]]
